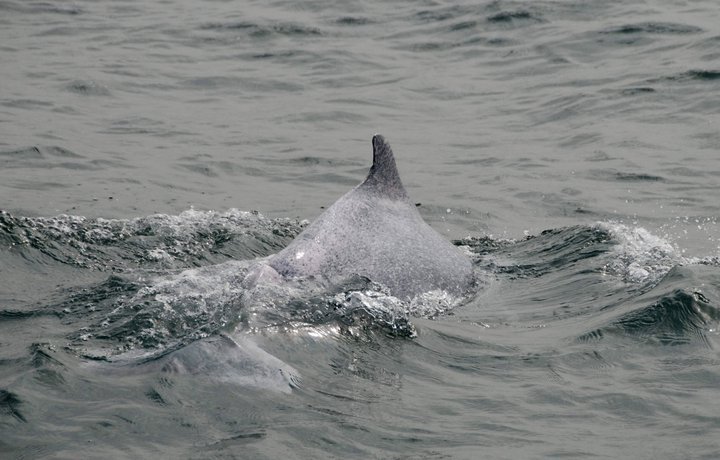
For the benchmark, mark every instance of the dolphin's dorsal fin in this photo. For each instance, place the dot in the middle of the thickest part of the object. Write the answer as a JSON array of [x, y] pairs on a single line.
[[383, 177]]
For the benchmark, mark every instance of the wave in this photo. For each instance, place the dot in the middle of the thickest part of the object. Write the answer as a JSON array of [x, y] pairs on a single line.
[[538, 255], [668, 312], [10, 405], [165, 241], [180, 279], [675, 318], [654, 28]]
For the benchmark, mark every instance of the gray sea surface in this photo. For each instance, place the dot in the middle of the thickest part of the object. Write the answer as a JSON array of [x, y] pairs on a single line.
[[151, 152]]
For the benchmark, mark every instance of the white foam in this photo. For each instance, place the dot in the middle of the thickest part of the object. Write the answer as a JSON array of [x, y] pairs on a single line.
[[640, 256]]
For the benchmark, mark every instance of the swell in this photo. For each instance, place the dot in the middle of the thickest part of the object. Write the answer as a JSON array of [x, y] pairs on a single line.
[[675, 318], [45, 369], [10, 404], [600, 280], [547, 252], [191, 238], [672, 312]]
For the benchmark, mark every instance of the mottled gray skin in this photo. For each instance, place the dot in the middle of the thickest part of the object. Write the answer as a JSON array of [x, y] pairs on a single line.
[[375, 231]]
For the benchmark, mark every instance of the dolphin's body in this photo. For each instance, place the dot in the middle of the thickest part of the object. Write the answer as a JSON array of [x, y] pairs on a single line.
[[373, 231], [376, 232]]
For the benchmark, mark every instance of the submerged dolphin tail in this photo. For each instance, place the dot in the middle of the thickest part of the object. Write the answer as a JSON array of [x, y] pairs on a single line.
[[383, 177]]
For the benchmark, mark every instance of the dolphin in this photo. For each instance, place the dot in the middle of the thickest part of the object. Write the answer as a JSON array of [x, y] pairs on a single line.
[[373, 231], [376, 232]]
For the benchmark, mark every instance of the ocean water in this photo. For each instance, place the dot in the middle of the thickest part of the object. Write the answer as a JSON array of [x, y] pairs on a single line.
[[151, 152]]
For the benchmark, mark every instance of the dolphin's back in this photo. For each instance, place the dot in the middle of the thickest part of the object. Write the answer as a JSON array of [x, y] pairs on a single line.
[[375, 231]]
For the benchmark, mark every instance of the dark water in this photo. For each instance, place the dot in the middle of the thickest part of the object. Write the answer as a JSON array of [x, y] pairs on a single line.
[[570, 148]]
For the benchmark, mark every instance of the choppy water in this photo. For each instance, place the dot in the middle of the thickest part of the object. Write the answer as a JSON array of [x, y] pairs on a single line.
[[570, 148]]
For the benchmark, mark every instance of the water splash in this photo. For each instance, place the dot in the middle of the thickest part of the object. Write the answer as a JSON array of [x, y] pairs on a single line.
[[639, 256]]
